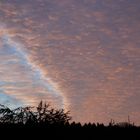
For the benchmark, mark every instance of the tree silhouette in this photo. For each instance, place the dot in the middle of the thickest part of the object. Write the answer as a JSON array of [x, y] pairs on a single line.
[[42, 114]]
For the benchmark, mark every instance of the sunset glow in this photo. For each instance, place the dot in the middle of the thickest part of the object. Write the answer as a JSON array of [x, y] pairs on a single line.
[[80, 55]]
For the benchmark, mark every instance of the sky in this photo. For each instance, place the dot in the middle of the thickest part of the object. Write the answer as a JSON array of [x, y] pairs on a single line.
[[80, 55]]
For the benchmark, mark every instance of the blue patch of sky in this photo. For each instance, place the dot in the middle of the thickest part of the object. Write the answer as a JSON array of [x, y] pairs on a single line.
[[14, 49], [8, 100]]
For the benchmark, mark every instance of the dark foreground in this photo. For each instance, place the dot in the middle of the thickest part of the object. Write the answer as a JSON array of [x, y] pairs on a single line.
[[70, 132], [43, 122]]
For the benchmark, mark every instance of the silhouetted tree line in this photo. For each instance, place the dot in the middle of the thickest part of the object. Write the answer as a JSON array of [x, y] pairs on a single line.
[[46, 117]]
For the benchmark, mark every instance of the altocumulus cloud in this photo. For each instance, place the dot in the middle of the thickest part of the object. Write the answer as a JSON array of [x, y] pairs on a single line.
[[88, 49]]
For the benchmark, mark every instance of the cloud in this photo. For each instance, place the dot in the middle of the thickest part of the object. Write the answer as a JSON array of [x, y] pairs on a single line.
[[87, 50]]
